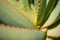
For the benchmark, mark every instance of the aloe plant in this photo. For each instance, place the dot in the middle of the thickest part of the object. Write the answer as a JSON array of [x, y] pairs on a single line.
[[29, 19]]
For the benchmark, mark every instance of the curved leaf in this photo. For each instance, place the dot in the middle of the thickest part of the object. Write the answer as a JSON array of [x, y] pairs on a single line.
[[55, 32], [37, 5], [11, 16], [29, 12], [49, 8], [21, 4], [7, 32], [41, 12], [53, 16], [55, 24]]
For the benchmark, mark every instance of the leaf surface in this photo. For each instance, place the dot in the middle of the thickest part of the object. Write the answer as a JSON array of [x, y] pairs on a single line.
[[7, 32]]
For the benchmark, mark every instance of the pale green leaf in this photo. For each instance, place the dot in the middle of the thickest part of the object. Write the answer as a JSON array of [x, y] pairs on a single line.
[[21, 4], [28, 12], [11, 16], [11, 33]]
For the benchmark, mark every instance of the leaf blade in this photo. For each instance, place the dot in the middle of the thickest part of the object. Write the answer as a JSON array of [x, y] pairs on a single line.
[[49, 8], [41, 12], [13, 17], [21, 33]]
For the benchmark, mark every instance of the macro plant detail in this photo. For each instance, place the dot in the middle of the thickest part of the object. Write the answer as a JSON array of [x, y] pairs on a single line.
[[29, 19]]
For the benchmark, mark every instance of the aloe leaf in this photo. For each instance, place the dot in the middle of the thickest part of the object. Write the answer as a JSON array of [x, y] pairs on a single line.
[[55, 32], [26, 4], [53, 16], [49, 8], [37, 5], [22, 4], [54, 25], [7, 32], [12, 17], [41, 12], [29, 14]]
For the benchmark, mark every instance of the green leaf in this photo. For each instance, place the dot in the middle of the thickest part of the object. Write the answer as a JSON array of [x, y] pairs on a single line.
[[41, 12], [26, 5], [55, 32], [37, 5], [53, 16], [11, 16], [29, 14], [54, 24], [12, 33], [21, 4], [49, 8]]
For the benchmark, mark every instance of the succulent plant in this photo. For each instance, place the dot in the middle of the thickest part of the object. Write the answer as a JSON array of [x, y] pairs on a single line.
[[29, 19]]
